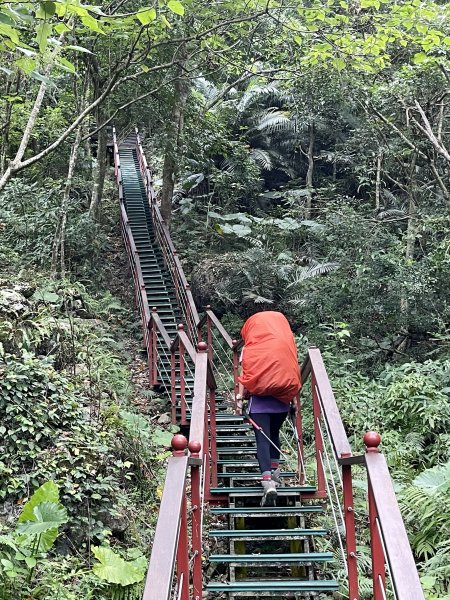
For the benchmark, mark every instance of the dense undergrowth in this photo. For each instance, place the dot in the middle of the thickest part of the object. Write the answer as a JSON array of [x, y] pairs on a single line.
[[72, 419]]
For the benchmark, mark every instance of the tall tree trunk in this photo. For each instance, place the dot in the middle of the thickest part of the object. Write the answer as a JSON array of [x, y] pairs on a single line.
[[173, 147], [310, 171], [378, 180], [58, 247], [13, 165], [411, 236], [99, 170], [4, 141]]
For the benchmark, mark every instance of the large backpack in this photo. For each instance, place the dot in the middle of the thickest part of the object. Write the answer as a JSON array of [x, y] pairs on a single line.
[[269, 361]]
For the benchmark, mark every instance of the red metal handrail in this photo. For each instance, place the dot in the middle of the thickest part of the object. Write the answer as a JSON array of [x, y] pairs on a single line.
[[177, 542], [389, 542]]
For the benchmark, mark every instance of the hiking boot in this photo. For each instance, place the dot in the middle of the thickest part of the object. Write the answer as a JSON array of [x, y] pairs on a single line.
[[276, 476], [270, 492]]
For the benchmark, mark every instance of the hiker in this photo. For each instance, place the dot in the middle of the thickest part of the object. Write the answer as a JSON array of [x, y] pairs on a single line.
[[270, 379]]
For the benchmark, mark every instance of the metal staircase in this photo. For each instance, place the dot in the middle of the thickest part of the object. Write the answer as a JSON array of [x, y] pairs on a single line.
[[268, 551], [254, 551], [157, 281]]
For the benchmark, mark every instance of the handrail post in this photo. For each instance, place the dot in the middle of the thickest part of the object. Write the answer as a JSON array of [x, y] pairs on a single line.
[[183, 553], [318, 441], [173, 380], [372, 441], [350, 533], [189, 316], [213, 435], [300, 450], [182, 378], [209, 334], [153, 358], [179, 445], [235, 369], [202, 348], [196, 528]]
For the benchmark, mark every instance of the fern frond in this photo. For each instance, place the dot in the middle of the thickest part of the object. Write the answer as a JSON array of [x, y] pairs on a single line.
[[275, 120], [261, 158]]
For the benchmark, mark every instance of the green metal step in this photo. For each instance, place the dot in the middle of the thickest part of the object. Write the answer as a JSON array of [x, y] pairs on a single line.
[[237, 450], [257, 490], [269, 586], [227, 428], [245, 511], [262, 559], [252, 475], [257, 534], [235, 439]]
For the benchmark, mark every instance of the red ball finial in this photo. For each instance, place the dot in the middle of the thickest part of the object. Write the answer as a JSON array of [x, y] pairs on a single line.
[[234, 342], [194, 447], [181, 326], [208, 307], [202, 346], [179, 444], [372, 440], [154, 309]]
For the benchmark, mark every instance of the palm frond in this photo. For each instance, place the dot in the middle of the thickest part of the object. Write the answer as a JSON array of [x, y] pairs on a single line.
[[256, 92], [391, 213], [257, 298], [303, 273], [261, 158], [275, 120]]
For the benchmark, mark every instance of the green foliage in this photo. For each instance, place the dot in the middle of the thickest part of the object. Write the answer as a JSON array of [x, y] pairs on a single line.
[[426, 507], [29, 219], [114, 569], [26, 546]]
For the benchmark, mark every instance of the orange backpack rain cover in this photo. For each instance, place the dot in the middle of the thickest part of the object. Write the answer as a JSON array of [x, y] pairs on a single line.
[[269, 362]]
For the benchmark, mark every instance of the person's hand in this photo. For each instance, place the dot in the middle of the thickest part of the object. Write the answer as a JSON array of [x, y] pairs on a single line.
[[293, 409]]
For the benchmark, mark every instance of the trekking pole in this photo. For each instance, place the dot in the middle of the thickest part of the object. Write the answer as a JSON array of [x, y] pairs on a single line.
[[261, 430], [299, 449]]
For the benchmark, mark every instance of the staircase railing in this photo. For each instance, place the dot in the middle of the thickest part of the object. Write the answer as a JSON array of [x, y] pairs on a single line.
[[171, 260], [389, 543], [175, 568], [133, 256]]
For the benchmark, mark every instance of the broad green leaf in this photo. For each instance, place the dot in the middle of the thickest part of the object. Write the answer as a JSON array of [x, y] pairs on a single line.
[[26, 64], [162, 438], [78, 49], [339, 63], [166, 22], [43, 31], [176, 7], [9, 32], [48, 492], [45, 296], [49, 8], [46, 10], [114, 569], [146, 16], [66, 65], [92, 23], [6, 19], [47, 515], [435, 480], [420, 58], [26, 51], [61, 28]]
